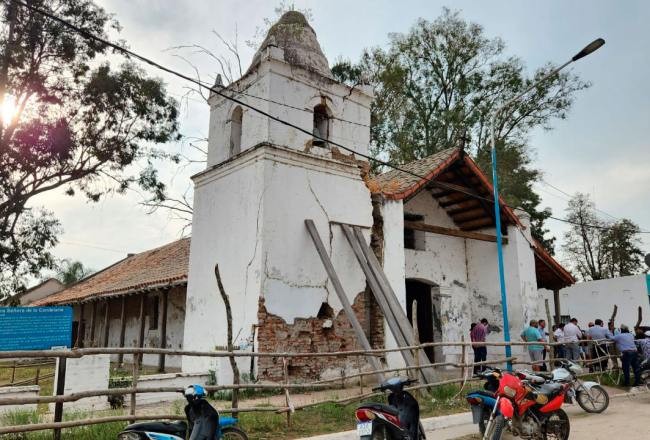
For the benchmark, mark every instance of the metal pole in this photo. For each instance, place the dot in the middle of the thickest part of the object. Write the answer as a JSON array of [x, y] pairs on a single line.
[[497, 210]]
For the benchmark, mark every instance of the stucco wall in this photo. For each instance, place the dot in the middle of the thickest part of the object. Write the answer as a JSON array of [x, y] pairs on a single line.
[[290, 93], [595, 299], [249, 217]]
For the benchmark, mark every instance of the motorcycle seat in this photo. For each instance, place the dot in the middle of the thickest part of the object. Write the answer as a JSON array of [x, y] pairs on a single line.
[[381, 407], [160, 427], [550, 388]]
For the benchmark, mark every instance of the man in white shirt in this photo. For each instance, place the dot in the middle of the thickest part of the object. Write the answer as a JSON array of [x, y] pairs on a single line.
[[572, 336]]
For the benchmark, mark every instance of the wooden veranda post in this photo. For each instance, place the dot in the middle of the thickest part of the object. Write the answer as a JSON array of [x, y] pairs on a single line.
[[163, 329], [120, 357], [107, 323], [80, 327], [141, 316], [93, 316], [550, 349], [556, 304]]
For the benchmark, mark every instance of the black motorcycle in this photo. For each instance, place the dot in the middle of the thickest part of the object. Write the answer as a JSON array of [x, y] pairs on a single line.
[[399, 420], [203, 423]]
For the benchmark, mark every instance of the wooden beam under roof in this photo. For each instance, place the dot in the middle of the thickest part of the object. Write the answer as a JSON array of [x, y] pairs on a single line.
[[470, 214], [434, 229], [475, 224], [454, 199], [463, 207]]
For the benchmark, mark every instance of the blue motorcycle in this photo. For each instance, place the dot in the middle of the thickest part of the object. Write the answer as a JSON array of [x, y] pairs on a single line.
[[482, 401], [203, 423]]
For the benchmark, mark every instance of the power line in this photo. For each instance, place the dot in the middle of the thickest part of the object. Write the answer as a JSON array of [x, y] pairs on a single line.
[[130, 53], [570, 197]]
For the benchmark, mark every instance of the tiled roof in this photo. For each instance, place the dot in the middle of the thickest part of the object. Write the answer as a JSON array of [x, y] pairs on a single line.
[[550, 273], [164, 266], [397, 184]]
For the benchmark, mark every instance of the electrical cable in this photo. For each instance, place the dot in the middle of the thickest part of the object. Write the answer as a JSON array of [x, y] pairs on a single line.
[[130, 53]]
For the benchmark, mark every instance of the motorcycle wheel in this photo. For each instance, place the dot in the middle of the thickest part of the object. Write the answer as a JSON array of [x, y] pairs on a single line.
[[594, 400], [499, 426], [556, 426], [232, 433], [485, 418]]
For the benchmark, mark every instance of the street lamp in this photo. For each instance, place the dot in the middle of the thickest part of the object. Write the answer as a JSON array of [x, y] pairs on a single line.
[[591, 47]]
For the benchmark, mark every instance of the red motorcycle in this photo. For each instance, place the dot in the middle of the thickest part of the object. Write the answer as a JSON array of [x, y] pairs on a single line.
[[529, 407]]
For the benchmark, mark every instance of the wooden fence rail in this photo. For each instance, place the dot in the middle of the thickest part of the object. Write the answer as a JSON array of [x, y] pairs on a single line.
[[283, 388]]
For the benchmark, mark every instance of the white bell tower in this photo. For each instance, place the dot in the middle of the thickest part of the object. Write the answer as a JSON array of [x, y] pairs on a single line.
[[262, 180]]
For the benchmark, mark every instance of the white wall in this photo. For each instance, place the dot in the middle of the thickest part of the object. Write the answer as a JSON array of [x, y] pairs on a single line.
[[290, 93], [85, 374], [590, 300], [249, 217], [180, 380]]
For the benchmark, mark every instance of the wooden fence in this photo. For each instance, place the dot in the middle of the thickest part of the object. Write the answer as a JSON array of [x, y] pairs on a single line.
[[38, 364], [464, 368]]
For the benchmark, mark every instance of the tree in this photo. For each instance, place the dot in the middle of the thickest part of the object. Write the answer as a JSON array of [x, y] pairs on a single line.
[[597, 249], [70, 272], [76, 124], [438, 85]]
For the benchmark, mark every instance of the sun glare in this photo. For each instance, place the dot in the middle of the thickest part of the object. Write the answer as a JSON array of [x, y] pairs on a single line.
[[8, 109]]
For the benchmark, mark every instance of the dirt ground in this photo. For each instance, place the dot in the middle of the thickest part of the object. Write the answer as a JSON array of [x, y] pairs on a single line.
[[628, 417]]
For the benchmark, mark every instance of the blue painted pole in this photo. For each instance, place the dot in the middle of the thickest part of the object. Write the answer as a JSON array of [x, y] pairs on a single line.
[[502, 280]]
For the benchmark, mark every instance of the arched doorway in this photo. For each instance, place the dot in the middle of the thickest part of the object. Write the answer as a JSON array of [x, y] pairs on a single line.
[[427, 314]]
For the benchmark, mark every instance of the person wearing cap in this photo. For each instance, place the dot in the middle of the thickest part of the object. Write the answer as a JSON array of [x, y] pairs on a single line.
[[598, 333], [629, 355], [644, 346]]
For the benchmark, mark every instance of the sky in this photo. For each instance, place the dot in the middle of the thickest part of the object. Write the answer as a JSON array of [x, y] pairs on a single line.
[[602, 148]]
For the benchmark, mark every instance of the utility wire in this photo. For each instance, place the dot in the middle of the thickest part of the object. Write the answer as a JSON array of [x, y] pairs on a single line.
[[130, 53]]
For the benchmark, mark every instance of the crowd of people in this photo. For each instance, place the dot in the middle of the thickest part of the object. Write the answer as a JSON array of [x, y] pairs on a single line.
[[593, 345]]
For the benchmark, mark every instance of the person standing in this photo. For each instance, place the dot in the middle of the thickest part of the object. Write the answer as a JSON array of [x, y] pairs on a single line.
[[598, 333], [544, 334], [572, 336], [478, 333], [531, 334], [629, 355]]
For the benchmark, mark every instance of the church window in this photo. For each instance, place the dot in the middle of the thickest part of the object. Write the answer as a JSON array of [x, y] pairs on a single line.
[[235, 131], [321, 124]]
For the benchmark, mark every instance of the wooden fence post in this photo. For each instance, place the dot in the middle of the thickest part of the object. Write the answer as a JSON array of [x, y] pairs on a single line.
[[287, 398], [416, 336], [60, 390], [13, 372], [463, 357], [38, 376], [551, 357], [134, 383]]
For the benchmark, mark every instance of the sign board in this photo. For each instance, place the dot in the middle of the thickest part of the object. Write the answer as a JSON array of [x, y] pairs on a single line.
[[35, 328]]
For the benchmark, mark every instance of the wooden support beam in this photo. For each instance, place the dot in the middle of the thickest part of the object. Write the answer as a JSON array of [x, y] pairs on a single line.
[[141, 317], [454, 199], [463, 207], [120, 358], [340, 292], [453, 232], [475, 224], [93, 316], [556, 304], [107, 322], [163, 328], [471, 214], [80, 327]]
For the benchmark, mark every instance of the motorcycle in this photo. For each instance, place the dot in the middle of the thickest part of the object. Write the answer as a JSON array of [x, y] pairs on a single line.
[[590, 395], [399, 420], [645, 372], [483, 401], [203, 423], [529, 407]]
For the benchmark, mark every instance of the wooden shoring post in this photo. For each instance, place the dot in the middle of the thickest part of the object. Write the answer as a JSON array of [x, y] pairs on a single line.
[[360, 368], [343, 298], [416, 335], [81, 328], [392, 321], [427, 374], [107, 323], [556, 306], [93, 316], [236, 376], [59, 388], [120, 357], [141, 317]]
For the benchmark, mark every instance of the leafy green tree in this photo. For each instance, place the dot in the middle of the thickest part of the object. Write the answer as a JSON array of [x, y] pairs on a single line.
[[438, 85], [74, 123], [70, 272], [596, 249]]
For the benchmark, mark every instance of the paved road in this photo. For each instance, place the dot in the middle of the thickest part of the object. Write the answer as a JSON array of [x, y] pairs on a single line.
[[627, 418]]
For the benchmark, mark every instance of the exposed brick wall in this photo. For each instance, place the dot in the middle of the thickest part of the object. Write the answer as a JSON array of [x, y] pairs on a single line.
[[310, 335]]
